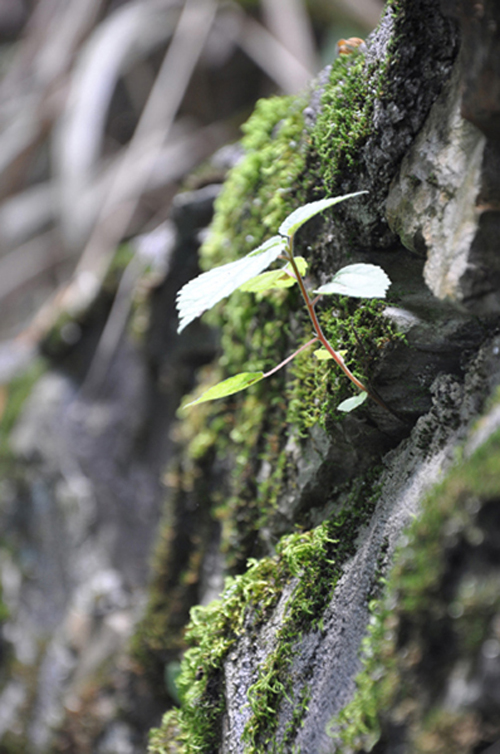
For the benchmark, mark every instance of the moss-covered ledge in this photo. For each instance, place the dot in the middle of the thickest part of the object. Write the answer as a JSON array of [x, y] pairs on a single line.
[[289, 591]]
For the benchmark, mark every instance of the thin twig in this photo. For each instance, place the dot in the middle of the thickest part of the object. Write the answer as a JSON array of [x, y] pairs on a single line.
[[289, 358], [157, 118]]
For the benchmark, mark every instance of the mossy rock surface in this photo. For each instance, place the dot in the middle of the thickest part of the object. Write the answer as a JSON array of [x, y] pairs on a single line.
[[318, 503], [316, 642]]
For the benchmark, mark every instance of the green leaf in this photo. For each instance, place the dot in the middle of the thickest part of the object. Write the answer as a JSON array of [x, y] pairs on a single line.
[[298, 217], [358, 280], [275, 278], [322, 354], [267, 280], [301, 265], [210, 287], [270, 243], [228, 387], [351, 403]]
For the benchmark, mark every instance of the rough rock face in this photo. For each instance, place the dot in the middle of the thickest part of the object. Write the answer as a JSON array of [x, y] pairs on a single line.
[[367, 618], [285, 661]]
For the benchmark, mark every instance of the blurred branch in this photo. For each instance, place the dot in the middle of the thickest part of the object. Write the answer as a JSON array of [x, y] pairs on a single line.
[[124, 38], [29, 92], [29, 261], [156, 120], [26, 213], [288, 22], [272, 56], [69, 207], [29, 212]]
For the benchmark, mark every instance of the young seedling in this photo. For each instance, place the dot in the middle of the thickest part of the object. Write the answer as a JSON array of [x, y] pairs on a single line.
[[247, 274]]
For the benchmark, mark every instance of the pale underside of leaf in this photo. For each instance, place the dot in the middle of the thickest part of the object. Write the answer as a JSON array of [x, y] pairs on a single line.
[[298, 217], [228, 387], [351, 403], [358, 280], [206, 290]]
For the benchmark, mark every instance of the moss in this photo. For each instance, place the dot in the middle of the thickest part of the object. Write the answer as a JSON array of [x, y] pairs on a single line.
[[248, 432], [262, 189], [442, 598], [361, 332], [311, 563], [166, 738], [315, 558], [255, 335], [16, 394], [214, 629], [344, 121], [301, 706]]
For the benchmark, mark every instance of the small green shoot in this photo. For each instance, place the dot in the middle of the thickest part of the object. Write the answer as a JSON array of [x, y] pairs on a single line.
[[351, 403], [247, 274]]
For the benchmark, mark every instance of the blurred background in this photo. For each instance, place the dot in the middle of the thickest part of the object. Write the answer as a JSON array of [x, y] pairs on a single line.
[[107, 105], [116, 124]]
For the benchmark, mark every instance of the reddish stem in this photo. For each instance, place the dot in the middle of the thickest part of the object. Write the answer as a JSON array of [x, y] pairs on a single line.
[[317, 327], [289, 358], [320, 334]]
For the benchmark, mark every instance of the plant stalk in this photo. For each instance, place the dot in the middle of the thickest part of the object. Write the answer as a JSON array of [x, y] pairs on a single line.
[[289, 358], [320, 334]]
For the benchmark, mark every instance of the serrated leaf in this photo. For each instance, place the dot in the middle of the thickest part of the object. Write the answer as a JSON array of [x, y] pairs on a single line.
[[210, 287], [228, 387], [358, 280], [351, 403], [298, 217]]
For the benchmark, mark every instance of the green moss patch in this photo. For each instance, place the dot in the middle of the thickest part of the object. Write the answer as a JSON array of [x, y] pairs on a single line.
[[255, 334], [344, 122], [310, 561], [263, 187], [237, 432], [16, 394], [358, 330]]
